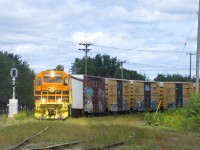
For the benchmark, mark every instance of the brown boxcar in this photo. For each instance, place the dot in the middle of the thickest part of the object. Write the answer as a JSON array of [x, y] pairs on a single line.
[[92, 90]]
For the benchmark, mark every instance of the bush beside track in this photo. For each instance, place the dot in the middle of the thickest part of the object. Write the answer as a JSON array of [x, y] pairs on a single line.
[[187, 118]]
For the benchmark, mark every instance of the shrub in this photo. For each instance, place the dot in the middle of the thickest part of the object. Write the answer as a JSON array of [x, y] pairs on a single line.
[[193, 105], [153, 119], [196, 122], [20, 116]]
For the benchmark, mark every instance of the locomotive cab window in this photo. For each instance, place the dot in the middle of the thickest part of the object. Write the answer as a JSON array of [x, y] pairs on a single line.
[[52, 80], [66, 81], [57, 80], [38, 81]]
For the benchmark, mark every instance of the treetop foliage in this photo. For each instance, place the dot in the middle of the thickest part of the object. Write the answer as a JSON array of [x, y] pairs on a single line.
[[174, 78], [104, 66], [59, 68]]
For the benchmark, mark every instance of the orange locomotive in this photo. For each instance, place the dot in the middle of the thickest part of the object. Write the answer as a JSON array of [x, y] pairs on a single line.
[[52, 95]]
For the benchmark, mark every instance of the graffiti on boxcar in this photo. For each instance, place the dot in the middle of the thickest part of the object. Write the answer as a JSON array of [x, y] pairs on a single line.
[[88, 99], [101, 100]]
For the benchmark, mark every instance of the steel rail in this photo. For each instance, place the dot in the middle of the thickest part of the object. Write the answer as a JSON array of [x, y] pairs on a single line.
[[107, 146], [29, 138], [56, 146]]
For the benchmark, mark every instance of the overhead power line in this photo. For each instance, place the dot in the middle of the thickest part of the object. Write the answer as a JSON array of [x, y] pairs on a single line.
[[139, 50], [185, 43], [152, 66], [196, 2]]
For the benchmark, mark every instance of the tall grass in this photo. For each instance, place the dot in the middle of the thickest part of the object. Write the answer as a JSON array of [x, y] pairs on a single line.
[[105, 130]]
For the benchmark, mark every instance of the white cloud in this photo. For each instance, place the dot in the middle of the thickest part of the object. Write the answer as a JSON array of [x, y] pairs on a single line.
[[46, 33]]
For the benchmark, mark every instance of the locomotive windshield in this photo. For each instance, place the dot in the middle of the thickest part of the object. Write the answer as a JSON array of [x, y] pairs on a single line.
[[52, 80]]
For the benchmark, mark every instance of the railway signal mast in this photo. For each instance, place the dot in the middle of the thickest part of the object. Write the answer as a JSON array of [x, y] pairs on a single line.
[[13, 103]]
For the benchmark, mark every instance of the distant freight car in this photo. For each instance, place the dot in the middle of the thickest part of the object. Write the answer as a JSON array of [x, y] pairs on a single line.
[[117, 94], [88, 95], [175, 94], [145, 95], [52, 95]]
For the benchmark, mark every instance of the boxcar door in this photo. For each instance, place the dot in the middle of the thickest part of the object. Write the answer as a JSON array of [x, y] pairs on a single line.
[[89, 93], [101, 96], [119, 95], [95, 96], [147, 96], [179, 95]]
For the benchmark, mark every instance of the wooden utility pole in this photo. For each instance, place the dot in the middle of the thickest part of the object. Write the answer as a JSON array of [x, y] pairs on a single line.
[[198, 52], [190, 63], [86, 50], [121, 63]]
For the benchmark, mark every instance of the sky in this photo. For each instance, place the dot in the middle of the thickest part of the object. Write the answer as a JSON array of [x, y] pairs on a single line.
[[154, 36]]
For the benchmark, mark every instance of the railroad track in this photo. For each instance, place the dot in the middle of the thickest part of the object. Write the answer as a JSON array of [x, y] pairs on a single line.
[[113, 145], [26, 140], [56, 146], [105, 147], [71, 144], [63, 145]]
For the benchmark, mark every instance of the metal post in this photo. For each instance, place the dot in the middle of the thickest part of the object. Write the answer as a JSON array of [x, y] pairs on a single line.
[[13, 97], [198, 52]]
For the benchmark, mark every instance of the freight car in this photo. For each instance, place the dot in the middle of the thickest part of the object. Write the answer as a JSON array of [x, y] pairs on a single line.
[[88, 95], [145, 95], [52, 95], [117, 95], [175, 94]]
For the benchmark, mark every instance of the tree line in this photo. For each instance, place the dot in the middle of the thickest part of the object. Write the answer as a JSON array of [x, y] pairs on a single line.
[[104, 66], [24, 81], [174, 78]]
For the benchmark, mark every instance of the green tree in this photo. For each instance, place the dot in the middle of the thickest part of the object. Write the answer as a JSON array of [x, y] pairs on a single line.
[[104, 66], [24, 81], [59, 68], [173, 78]]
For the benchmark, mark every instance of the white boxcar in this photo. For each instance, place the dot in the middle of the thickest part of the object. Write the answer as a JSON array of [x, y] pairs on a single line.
[[77, 95]]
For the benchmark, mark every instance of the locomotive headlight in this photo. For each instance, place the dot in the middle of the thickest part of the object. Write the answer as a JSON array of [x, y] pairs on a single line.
[[43, 100], [52, 74], [59, 100]]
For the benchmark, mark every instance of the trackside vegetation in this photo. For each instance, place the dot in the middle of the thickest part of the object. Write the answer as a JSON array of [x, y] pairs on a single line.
[[105, 130], [187, 118]]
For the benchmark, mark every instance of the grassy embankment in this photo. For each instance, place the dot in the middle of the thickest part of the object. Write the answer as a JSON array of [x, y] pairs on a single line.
[[106, 130]]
